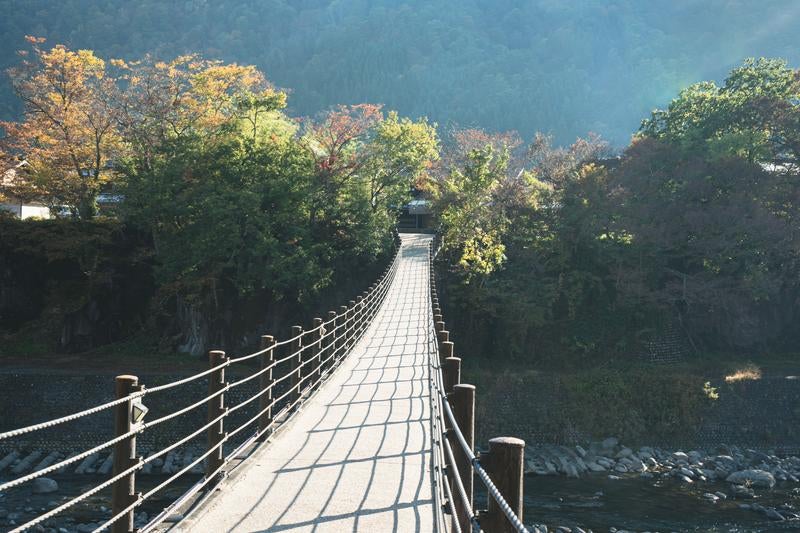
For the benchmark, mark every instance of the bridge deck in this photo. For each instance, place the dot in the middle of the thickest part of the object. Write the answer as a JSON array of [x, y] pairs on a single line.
[[358, 456]]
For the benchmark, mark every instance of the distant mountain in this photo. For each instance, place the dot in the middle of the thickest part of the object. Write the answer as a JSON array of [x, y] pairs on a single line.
[[563, 67]]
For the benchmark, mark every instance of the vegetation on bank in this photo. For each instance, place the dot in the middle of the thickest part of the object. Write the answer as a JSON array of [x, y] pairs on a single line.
[[568, 257], [245, 215], [238, 217]]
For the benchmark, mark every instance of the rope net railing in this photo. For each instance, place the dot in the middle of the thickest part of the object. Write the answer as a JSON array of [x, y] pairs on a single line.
[[282, 384], [456, 465]]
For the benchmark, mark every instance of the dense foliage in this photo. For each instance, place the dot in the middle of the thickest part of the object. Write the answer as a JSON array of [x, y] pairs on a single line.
[[245, 206], [561, 67], [693, 228]]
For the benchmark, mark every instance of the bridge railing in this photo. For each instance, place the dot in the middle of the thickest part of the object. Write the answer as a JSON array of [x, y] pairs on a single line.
[[283, 384], [456, 461]]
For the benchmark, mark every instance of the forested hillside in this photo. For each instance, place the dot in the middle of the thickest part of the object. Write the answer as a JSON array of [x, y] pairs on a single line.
[[561, 67]]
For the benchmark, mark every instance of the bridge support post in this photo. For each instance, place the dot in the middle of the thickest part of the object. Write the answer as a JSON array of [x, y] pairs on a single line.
[[123, 492], [329, 344], [451, 372], [316, 366], [506, 468], [463, 403], [216, 409], [296, 361], [341, 324], [445, 349], [351, 323], [365, 312], [359, 318], [265, 386]]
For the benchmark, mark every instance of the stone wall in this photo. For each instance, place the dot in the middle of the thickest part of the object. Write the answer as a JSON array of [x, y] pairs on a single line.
[[27, 399]]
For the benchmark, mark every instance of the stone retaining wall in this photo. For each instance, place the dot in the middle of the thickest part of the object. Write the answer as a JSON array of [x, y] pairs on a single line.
[[27, 399]]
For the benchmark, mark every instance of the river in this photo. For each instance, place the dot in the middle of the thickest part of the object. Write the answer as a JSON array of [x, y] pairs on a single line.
[[659, 504]]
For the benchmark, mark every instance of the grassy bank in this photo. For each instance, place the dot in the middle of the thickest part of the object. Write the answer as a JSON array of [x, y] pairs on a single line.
[[698, 400]]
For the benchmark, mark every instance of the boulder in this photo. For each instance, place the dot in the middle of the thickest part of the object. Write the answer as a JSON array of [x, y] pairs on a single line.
[[743, 492], [44, 485], [680, 456], [595, 467], [755, 478], [609, 443], [624, 452], [772, 514]]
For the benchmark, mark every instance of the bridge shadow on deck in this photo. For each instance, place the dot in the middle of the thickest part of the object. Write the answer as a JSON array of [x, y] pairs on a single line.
[[351, 471]]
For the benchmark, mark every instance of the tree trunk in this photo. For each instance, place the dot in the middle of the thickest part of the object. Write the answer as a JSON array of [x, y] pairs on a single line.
[[87, 208]]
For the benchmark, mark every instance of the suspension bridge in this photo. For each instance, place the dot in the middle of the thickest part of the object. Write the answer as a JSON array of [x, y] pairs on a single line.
[[357, 423]]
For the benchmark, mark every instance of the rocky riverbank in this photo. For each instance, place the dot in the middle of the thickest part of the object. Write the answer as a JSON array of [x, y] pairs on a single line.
[[727, 474], [34, 498]]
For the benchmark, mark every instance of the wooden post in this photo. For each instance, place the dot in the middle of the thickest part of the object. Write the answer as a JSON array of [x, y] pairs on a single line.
[[506, 468], [359, 318], [437, 319], [451, 372], [463, 404], [315, 351], [443, 336], [265, 384], [294, 347], [439, 325], [123, 492], [216, 408], [329, 342], [445, 352], [351, 311], [341, 323], [365, 313]]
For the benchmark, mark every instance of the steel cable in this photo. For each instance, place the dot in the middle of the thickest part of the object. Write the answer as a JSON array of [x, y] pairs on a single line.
[[366, 311]]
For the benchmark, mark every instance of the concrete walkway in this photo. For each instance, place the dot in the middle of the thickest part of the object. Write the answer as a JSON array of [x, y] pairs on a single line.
[[358, 456]]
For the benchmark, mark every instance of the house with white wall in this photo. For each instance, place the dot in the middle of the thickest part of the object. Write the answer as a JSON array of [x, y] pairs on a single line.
[[9, 202]]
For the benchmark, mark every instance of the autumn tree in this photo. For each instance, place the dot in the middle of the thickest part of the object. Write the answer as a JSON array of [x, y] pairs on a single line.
[[69, 134], [365, 165], [165, 101]]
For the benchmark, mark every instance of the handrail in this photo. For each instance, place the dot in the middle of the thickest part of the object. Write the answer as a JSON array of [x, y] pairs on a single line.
[[445, 418], [336, 343]]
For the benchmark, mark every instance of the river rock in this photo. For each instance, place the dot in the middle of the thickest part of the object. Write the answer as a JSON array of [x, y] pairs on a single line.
[[624, 452], [608, 463], [772, 514], [680, 457], [44, 485], [595, 467], [609, 443], [741, 491], [580, 450], [755, 478], [725, 462], [695, 456]]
